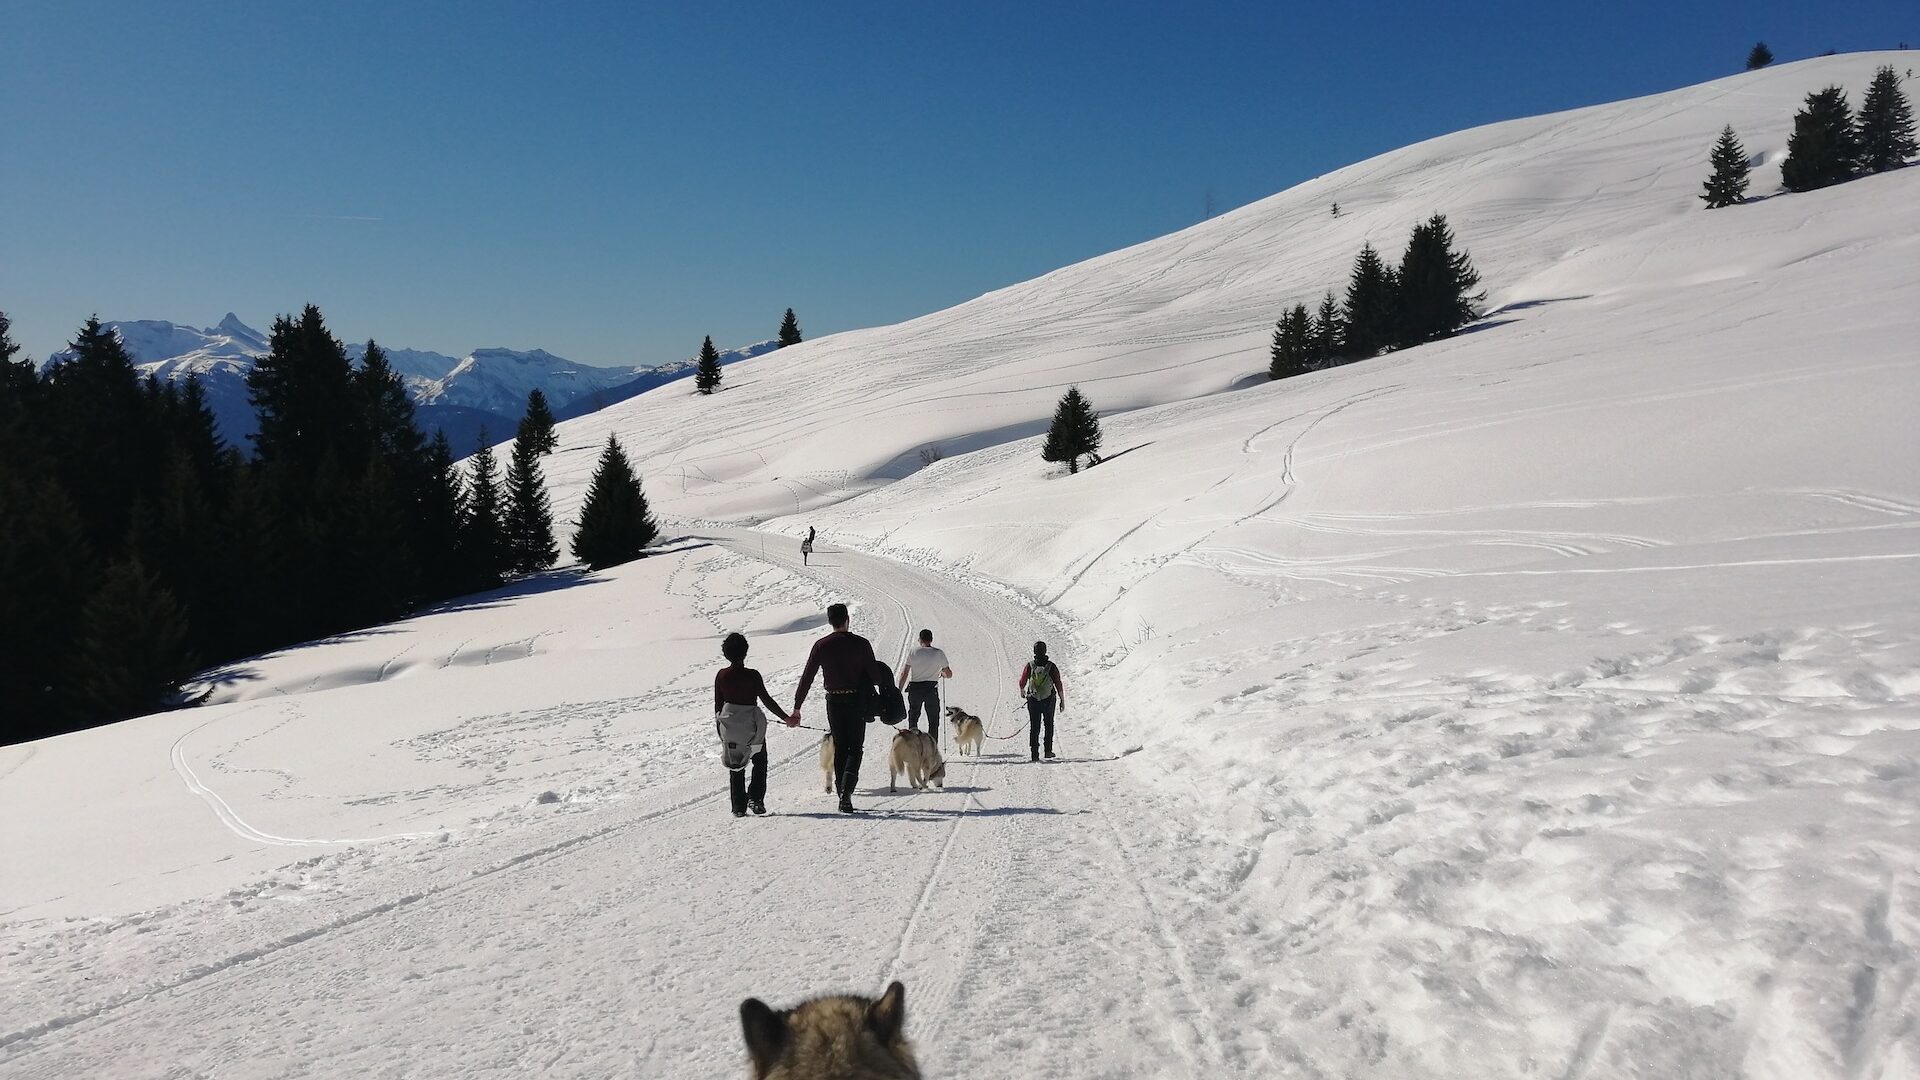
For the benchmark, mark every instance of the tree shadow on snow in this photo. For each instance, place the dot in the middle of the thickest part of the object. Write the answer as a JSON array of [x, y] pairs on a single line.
[[926, 815], [1527, 305], [532, 585], [1123, 453]]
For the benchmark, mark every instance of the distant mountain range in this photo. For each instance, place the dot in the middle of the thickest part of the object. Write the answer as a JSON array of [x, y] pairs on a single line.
[[486, 390]]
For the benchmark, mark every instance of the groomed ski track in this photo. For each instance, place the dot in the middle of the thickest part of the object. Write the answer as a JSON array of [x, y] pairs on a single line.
[[622, 946]]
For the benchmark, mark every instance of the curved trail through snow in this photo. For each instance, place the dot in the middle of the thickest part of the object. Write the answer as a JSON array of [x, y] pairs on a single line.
[[620, 941]]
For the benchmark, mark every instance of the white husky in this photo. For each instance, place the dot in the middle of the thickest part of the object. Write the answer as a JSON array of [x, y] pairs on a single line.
[[915, 754], [969, 734]]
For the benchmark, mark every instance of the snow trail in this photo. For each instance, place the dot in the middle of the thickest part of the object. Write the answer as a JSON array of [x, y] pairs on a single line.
[[981, 897]]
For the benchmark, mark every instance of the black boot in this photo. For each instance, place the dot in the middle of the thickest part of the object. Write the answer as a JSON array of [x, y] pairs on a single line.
[[846, 805], [758, 807], [1036, 754]]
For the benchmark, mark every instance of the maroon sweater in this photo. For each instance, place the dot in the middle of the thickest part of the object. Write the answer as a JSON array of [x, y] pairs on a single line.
[[844, 658], [738, 685]]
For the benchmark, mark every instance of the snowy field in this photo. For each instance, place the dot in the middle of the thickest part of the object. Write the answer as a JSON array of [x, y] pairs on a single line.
[[1540, 703]]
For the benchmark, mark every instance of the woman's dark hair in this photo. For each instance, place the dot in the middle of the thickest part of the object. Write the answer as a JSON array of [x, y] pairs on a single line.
[[1039, 650], [734, 647]]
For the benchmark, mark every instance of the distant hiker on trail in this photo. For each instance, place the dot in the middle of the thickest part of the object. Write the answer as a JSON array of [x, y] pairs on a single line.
[[738, 691], [920, 677], [845, 661], [1040, 682], [806, 547]]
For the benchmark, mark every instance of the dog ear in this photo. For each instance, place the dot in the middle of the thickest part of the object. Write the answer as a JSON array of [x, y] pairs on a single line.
[[765, 1032], [888, 1016]]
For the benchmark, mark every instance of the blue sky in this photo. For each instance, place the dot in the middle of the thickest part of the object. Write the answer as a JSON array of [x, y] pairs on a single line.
[[613, 181]]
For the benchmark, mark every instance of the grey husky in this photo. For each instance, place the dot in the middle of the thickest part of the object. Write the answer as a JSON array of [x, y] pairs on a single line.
[[845, 1037]]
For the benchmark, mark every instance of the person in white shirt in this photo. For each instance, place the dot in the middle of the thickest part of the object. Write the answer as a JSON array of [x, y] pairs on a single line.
[[920, 676]]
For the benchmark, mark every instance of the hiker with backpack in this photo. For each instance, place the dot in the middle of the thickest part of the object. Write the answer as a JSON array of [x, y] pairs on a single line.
[[738, 692], [1045, 692], [846, 663], [806, 547], [920, 677]]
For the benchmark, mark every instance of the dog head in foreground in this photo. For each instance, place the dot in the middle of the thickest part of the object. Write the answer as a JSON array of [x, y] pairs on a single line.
[[845, 1037]]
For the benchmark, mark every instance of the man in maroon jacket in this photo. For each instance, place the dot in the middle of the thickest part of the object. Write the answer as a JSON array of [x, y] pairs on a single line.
[[845, 661]]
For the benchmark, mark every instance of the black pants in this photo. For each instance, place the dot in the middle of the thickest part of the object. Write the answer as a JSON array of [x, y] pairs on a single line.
[[1040, 712], [745, 789], [927, 695], [847, 719]]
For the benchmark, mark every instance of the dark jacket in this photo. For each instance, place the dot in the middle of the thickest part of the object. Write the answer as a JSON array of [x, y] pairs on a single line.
[[884, 702], [842, 659]]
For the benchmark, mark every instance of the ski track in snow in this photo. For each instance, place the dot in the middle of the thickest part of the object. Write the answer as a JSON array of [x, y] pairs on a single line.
[[231, 818], [1018, 878]]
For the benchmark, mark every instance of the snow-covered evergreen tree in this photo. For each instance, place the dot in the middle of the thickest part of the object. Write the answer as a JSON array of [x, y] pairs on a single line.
[[1075, 431], [536, 426], [132, 653], [706, 376], [1435, 287], [615, 524], [1292, 344], [1368, 320], [1728, 184], [1325, 337], [483, 537], [1822, 150], [529, 516], [1885, 130]]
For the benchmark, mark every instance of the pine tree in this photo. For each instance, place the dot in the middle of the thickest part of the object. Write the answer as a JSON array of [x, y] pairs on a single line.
[[176, 533], [196, 435], [529, 517], [1885, 132], [443, 506], [1326, 335], [536, 426], [706, 377], [1075, 431], [483, 536], [789, 330], [1822, 150], [382, 409], [1369, 316], [1292, 344], [303, 391], [1728, 184], [615, 525], [1435, 286], [45, 572], [15, 375], [22, 447], [1760, 56], [102, 423], [132, 654], [252, 537]]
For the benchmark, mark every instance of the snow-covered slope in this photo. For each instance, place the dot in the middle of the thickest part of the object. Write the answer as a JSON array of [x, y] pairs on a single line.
[[1555, 683], [1536, 703]]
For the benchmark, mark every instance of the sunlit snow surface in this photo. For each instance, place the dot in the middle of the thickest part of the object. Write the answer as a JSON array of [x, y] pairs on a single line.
[[1540, 703]]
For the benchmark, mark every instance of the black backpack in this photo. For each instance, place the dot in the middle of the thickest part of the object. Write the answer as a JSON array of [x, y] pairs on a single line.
[[885, 703]]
